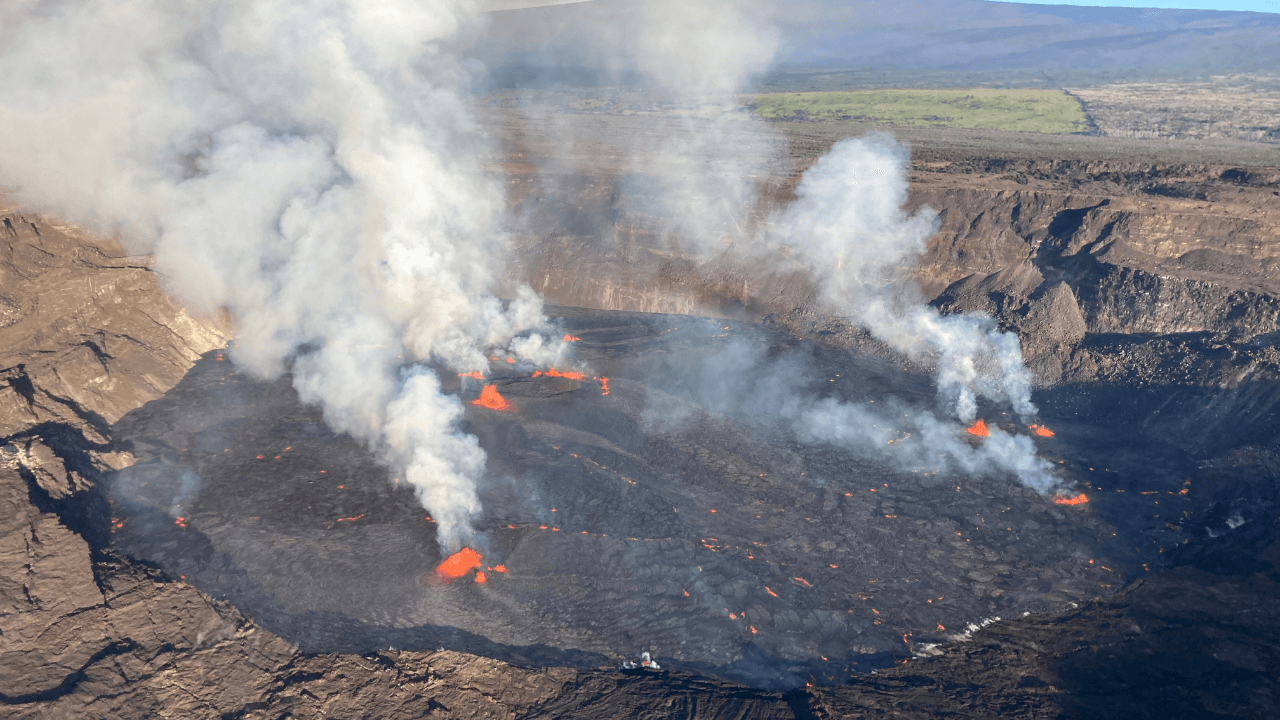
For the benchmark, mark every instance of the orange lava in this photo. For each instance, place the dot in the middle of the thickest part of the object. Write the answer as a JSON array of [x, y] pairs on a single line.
[[567, 375], [352, 518], [1040, 430], [180, 522], [570, 338], [753, 629], [1077, 500], [489, 398], [537, 373], [766, 589], [458, 564], [604, 386], [979, 428], [500, 568], [511, 361], [480, 578], [477, 375]]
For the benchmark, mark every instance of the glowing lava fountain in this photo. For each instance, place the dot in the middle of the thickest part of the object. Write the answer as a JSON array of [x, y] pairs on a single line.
[[489, 398], [1040, 430], [458, 564], [979, 428]]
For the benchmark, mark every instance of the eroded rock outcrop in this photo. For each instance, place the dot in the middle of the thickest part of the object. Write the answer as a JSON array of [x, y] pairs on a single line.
[[86, 332]]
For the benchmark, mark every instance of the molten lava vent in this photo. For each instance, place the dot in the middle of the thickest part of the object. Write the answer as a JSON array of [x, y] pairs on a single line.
[[979, 429], [1077, 500], [638, 513], [489, 398], [458, 565]]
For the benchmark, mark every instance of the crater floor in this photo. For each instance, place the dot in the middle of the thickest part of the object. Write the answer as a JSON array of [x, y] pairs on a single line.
[[638, 519]]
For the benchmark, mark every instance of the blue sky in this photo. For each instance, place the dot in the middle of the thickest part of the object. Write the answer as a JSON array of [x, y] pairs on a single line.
[[1255, 5], [1272, 6]]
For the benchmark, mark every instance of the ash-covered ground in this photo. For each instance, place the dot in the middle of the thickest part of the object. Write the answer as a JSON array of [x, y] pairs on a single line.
[[650, 519]]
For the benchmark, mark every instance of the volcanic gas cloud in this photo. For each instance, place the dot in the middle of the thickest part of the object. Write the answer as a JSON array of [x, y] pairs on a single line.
[[312, 168], [317, 170]]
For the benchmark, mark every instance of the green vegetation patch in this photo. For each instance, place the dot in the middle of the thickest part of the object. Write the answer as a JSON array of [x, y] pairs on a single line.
[[1042, 111]]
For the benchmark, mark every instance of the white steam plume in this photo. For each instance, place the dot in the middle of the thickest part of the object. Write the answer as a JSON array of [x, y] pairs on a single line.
[[917, 440], [741, 380], [702, 52], [849, 228], [310, 165]]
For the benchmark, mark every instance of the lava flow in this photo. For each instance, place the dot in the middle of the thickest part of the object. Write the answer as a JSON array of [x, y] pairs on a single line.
[[1040, 430], [979, 428], [489, 398], [458, 564], [1077, 500], [570, 338], [566, 375]]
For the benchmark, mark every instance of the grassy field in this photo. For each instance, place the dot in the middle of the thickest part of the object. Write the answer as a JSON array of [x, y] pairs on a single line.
[[1042, 111]]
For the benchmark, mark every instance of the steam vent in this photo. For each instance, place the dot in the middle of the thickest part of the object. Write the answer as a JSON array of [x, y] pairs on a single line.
[[692, 359]]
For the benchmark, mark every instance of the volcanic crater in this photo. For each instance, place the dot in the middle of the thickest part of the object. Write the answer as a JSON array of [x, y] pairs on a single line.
[[1146, 317], [643, 520]]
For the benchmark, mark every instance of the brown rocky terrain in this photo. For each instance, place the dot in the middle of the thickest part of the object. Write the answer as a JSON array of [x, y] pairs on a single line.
[[1120, 274], [1243, 108]]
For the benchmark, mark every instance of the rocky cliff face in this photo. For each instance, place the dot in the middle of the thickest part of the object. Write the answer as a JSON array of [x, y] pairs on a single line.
[[88, 332], [1055, 250]]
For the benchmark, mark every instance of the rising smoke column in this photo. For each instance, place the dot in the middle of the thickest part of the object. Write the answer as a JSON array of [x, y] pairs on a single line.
[[849, 228], [313, 167], [846, 229]]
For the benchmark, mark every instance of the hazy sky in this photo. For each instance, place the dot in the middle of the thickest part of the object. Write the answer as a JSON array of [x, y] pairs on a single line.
[[1272, 6]]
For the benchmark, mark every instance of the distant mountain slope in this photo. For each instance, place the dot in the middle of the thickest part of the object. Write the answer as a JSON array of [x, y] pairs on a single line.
[[833, 44], [976, 35]]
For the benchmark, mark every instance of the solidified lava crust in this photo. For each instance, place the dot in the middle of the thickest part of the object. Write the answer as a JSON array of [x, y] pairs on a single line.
[[721, 545]]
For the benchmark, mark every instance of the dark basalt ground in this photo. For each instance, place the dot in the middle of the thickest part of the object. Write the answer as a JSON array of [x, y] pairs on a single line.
[[642, 521]]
